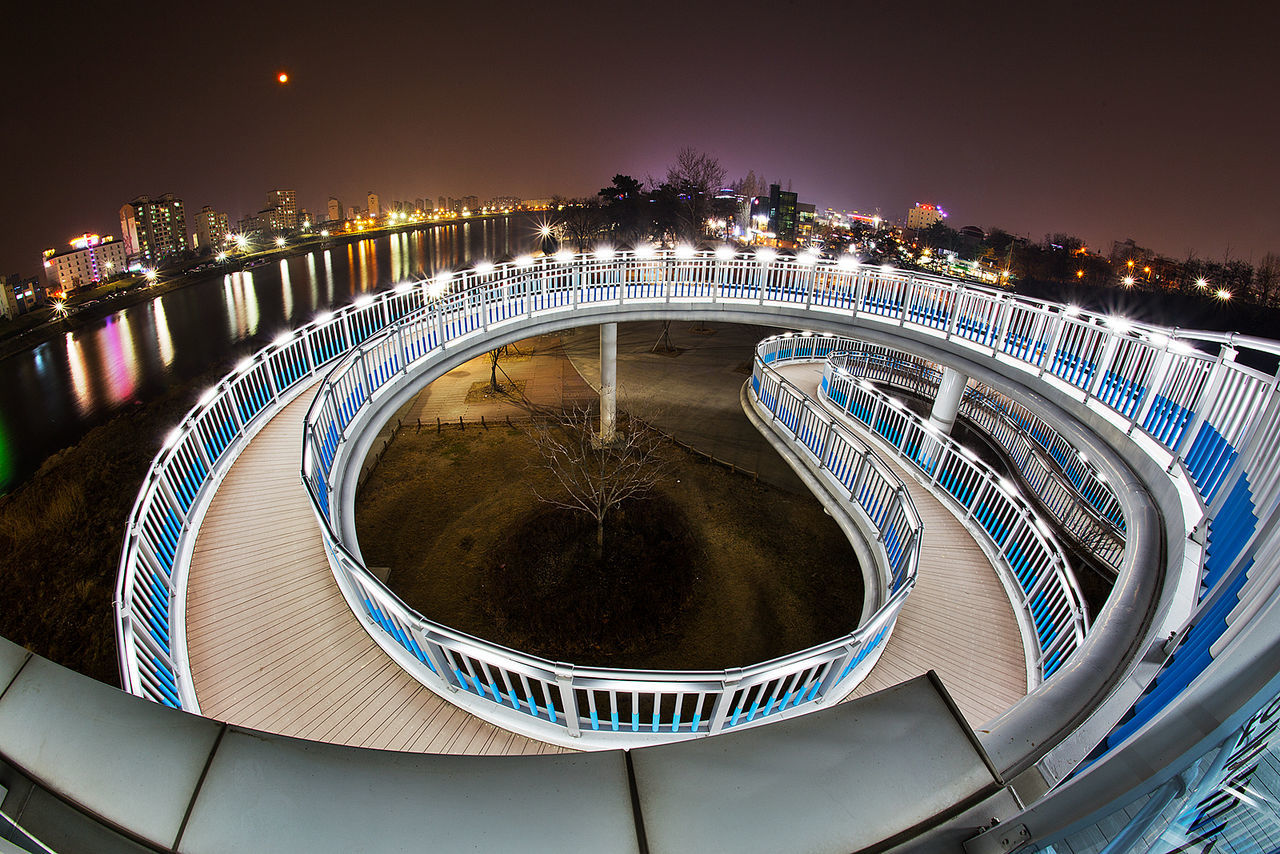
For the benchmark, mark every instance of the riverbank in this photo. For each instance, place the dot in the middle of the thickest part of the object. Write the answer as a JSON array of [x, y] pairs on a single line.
[[61, 533], [92, 305]]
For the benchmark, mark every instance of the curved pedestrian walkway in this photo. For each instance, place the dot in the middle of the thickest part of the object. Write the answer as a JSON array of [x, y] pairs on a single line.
[[958, 620], [273, 645]]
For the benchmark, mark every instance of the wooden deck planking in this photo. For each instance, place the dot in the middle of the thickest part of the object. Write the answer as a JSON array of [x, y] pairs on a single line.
[[958, 620], [272, 643], [274, 646]]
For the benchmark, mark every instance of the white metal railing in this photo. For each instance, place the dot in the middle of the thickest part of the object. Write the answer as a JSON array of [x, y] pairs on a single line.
[[1059, 476], [587, 706], [1019, 540], [1188, 406]]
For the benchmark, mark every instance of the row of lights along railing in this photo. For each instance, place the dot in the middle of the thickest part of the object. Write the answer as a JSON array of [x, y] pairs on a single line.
[[1180, 401], [578, 706]]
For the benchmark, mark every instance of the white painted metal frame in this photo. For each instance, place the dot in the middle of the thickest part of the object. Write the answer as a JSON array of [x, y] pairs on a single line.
[[1194, 408], [1034, 565]]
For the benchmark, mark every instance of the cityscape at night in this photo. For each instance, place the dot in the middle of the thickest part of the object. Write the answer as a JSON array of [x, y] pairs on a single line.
[[686, 427]]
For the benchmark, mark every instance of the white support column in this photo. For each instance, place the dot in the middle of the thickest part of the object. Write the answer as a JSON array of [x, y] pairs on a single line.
[[608, 381], [947, 404]]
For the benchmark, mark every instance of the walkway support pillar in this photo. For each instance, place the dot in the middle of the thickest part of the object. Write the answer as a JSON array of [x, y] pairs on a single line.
[[608, 381], [947, 404]]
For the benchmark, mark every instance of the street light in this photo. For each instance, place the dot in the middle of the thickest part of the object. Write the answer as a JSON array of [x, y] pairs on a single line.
[[280, 241]]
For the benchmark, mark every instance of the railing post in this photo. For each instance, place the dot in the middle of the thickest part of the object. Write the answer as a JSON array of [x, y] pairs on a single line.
[[1059, 326], [833, 677], [1104, 364], [1002, 324], [344, 316], [1207, 395], [1159, 373], [432, 651], [724, 700], [437, 315], [568, 699]]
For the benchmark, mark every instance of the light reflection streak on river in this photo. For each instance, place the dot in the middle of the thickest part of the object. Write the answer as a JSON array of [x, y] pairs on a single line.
[[54, 393]]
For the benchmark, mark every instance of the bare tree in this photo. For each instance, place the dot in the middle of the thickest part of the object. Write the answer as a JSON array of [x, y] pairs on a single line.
[[697, 170], [584, 223], [694, 180], [593, 477], [494, 356], [1266, 279]]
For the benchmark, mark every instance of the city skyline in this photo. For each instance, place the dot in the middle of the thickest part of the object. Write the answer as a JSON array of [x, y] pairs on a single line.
[[1107, 124]]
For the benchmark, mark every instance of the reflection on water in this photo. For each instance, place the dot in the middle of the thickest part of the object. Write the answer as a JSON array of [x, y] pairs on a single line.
[[51, 395], [286, 291], [118, 359], [79, 375], [242, 304], [164, 341]]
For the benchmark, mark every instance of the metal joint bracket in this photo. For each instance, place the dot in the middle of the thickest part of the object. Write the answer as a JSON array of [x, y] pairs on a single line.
[[998, 839]]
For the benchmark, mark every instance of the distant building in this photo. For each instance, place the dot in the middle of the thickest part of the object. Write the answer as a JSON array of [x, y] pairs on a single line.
[[285, 205], [505, 202], [973, 232], [419, 205], [442, 204], [335, 210], [153, 230], [19, 295], [90, 259], [923, 216], [211, 228], [375, 208], [471, 203], [353, 212], [777, 214], [806, 220]]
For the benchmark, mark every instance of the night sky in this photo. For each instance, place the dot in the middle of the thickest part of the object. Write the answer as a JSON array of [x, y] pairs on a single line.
[[1153, 122]]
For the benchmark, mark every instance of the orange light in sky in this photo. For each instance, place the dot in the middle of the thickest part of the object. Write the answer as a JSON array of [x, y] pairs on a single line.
[[283, 77]]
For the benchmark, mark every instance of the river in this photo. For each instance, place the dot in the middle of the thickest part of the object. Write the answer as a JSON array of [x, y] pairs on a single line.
[[53, 394]]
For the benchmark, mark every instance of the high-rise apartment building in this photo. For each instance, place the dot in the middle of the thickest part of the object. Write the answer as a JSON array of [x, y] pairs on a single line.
[[285, 205], [923, 216], [335, 210], [90, 259], [375, 208], [211, 228], [153, 229]]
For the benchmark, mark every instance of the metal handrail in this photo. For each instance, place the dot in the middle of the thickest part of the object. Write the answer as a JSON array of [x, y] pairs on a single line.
[[1159, 385], [1035, 448], [1055, 619], [564, 703]]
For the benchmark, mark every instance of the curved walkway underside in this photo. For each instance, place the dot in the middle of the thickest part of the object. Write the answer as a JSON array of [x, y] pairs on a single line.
[[958, 620], [259, 567]]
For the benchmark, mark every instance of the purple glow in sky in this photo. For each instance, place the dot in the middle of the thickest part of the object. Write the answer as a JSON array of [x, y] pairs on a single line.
[[1107, 121]]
